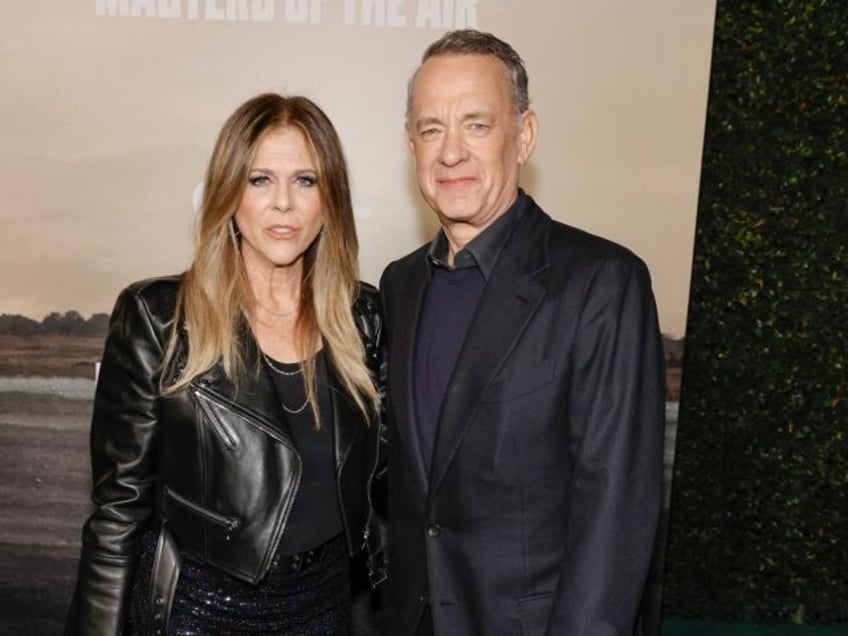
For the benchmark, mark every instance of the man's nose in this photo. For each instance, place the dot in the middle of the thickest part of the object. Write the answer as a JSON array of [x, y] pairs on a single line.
[[452, 151]]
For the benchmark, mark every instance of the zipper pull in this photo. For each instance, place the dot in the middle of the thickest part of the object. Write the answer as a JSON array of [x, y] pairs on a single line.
[[232, 526]]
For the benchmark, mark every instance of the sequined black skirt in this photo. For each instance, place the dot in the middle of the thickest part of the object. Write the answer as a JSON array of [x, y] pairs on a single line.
[[312, 601]]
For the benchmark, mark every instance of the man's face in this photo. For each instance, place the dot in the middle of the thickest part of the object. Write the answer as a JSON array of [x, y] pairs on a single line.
[[467, 139]]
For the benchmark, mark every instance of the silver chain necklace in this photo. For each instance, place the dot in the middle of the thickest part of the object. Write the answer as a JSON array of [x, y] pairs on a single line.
[[297, 410], [288, 374], [277, 369], [278, 314]]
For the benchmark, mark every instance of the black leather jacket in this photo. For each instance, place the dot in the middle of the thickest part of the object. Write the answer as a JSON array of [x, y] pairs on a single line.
[[207, 466]]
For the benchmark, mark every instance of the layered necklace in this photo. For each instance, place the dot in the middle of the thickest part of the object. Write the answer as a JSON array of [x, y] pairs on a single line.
[[274, 367], [277, 314], [287, 374]]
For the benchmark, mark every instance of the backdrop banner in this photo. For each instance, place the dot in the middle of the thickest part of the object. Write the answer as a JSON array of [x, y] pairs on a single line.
[[110, 109]]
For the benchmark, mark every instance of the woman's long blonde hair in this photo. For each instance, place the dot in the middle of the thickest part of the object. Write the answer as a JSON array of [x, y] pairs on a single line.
[[214, 299]]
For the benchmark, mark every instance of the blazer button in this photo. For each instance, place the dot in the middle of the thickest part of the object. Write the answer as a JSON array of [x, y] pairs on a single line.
[[434, 530]]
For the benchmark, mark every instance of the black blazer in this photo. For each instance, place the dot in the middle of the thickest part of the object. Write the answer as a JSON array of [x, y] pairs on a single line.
[[210, 467], [541, 507]]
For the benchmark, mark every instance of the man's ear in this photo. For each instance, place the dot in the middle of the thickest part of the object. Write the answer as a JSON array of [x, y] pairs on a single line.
[[409, 143], [529, 128]]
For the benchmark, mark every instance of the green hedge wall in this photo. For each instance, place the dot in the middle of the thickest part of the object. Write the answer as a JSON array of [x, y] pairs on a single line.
[[759, 512]]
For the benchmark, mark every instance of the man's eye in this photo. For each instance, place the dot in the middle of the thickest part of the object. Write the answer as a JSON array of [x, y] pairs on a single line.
[[478, 127], [428, 133]]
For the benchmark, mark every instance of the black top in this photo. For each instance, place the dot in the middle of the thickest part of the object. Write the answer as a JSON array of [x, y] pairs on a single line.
[[449, 305], [315, 516]]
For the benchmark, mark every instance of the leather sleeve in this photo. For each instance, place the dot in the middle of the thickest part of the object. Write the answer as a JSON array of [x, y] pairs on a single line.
[[371, 326], [123, 439], [616, 417]]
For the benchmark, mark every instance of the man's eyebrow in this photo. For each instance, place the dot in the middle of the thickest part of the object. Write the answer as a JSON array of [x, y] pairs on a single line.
[[477, 114], [427, 121], [473, 115]]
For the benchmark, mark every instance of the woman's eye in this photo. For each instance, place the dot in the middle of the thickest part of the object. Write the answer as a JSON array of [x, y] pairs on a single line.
[[306, 181], [259, 180]]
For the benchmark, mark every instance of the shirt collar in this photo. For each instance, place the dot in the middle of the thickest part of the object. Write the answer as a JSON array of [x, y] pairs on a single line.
[[484, 250]]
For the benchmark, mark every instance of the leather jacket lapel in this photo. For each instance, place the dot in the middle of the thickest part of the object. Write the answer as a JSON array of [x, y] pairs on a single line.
[[344, 412], [256, 397]]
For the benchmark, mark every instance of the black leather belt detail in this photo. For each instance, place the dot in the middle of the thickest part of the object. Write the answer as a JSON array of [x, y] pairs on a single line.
[[301, 560]]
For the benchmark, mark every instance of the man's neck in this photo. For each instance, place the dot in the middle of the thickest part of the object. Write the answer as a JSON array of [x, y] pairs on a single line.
[[459, 234]]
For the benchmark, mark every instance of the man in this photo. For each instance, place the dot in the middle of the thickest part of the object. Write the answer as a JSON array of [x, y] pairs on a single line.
[[525, 396]]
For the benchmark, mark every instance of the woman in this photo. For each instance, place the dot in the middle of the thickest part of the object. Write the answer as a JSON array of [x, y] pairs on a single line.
[[234, 433]]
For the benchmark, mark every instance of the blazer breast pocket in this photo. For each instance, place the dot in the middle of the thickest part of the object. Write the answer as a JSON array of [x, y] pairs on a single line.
[[517, 384], [535, 613]]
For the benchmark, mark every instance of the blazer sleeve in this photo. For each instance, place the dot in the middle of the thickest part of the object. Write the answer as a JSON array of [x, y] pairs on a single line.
[[616, 418], [123, 432]]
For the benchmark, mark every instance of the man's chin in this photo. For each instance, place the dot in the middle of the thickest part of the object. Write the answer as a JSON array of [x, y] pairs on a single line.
[[453, 216], [456, 209]]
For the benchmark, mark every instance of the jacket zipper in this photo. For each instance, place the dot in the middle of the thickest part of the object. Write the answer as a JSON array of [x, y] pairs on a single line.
[[224, 431], [231, 524], [201, 388], [341, 462], [375, 339], [370, 483], [376, 571]]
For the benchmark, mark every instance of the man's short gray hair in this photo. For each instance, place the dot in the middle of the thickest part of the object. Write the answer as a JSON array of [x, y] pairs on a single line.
[[473, 42]]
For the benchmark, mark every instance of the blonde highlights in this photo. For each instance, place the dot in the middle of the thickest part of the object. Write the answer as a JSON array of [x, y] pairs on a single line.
[[214, 299]]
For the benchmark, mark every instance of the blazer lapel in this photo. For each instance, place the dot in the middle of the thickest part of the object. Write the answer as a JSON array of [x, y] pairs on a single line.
[[406, 310], [512, 296]]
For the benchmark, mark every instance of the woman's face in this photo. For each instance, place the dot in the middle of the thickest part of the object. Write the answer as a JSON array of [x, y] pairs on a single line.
[[280, 213]]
